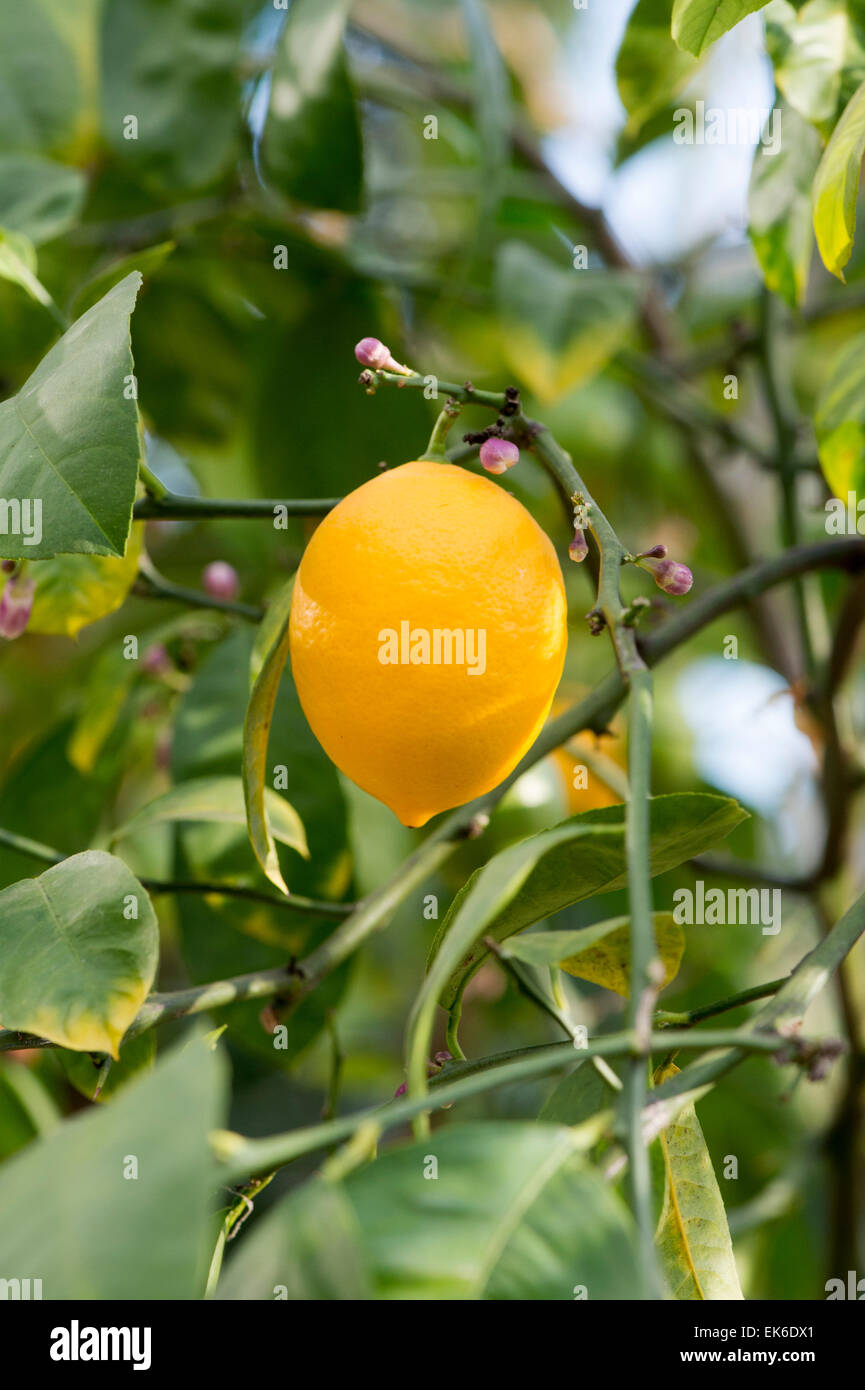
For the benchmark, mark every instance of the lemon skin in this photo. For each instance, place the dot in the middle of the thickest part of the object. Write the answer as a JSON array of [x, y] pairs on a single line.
[[441, 549]]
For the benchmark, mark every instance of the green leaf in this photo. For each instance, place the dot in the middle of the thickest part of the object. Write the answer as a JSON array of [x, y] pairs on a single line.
[[39, 198], [510, 1212], [840, 420], [115, 1204], [693, 1239], [577, 859], [514, 1213], [578, 1097], [84, 1071], [559, 327], [18, 264], [146, 262], [836, 186], [256, 733], [817, 56], [69, 438], [307, 1246], [600, 953], [650, 68], [76, 969], [220, 800], [175, 69], [73, 591], [779, 207], [311, 143], [271, 629], [39, 89], [697, 24]]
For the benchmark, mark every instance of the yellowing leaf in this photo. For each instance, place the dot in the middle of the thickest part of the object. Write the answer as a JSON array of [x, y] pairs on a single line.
[[692, 1236], [608, 962], [73, 591], [79, 946], [836, 186], [600, 953], [839, 420]]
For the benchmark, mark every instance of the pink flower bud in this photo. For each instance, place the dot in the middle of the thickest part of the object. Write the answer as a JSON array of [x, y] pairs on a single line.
[[16, 605], [371, 352], [220, 580], [498, 455], [579, 546], [441, 1057], [670, 575], [657, 552], [400, 1091]]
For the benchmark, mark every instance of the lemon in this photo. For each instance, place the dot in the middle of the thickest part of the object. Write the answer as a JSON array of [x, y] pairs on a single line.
[[612, 745], [427, 636]]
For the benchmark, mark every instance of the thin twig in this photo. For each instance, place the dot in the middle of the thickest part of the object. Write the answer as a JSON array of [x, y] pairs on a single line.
[[317, 907]]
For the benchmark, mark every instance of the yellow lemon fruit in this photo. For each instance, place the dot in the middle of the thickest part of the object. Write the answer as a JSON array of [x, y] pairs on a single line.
[[427, 636], [611, 746]]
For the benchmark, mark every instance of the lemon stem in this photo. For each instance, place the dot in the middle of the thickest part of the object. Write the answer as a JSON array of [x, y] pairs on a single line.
[[435, 450]]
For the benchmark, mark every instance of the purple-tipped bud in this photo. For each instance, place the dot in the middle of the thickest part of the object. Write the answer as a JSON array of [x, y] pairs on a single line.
[[371, 352], [579, 546], [670, 575], [400, 1091], [16, 605], [8, 566], [657, 552], [498, 455], [220, 580], [441, 1057]]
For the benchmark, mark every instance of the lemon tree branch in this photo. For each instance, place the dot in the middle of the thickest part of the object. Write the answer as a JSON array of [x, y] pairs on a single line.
[[315, 907], [637, 682], [461, 1080], [171, 506], [149, 583]]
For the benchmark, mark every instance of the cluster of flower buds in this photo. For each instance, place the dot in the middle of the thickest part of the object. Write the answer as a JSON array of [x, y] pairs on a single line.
[[432, 1068], [372, 353], [16, 601], [670, 575], [220, 580], [498, 455]]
